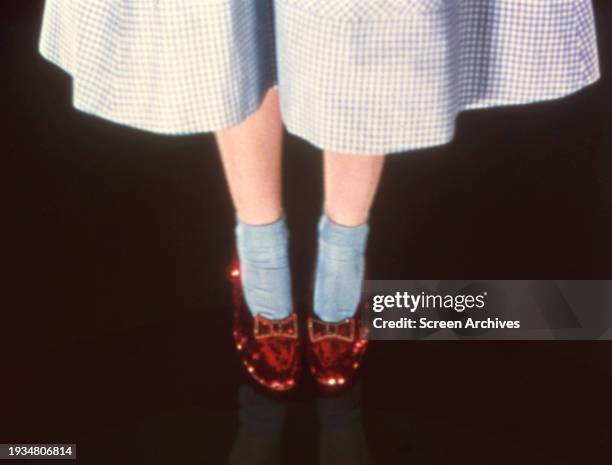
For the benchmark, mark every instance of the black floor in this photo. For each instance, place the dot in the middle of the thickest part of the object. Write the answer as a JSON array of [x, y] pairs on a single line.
[[117, 246]]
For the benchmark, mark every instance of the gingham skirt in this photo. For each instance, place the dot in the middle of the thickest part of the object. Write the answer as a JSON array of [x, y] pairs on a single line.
[[360, 76]]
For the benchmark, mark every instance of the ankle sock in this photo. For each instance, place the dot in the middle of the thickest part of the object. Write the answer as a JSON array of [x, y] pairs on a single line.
[[264, 267], [339, 269]]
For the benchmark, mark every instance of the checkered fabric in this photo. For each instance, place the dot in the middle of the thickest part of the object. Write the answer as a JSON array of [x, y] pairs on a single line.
[[358, 76]]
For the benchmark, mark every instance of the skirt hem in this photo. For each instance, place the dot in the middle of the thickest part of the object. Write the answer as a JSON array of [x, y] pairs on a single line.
[[317, 142]]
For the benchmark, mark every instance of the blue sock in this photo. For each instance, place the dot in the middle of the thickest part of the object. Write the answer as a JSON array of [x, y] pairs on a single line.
[[264, 267], [339, 270]]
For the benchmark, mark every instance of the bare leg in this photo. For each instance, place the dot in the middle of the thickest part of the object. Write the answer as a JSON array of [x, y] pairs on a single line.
[[251, 154], [351, 182]]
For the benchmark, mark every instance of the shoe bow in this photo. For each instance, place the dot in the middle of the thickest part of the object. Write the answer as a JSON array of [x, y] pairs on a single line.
[[319, 330], [263, 327]]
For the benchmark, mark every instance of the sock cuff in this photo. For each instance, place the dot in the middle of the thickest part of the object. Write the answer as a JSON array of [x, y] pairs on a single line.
[[354, 237], [258, 236]]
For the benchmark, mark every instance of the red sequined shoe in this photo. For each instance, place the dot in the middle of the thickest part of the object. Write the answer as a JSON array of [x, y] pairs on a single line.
[[335, 350], [269, 349]]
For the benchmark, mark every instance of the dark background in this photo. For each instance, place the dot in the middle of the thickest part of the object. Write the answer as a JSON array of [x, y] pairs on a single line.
[[116, 315]]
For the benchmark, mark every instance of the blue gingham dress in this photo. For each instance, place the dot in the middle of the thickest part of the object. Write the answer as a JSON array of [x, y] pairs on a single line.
[[358, 76]]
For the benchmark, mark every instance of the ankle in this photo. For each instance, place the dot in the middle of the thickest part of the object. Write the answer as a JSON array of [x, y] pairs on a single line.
[[258, 218]]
